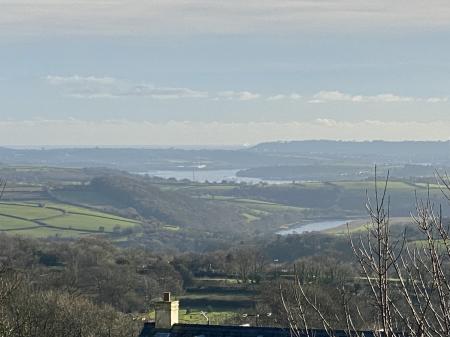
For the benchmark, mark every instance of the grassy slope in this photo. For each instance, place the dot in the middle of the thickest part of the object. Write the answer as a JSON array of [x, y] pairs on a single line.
[[347, 201], [170, 206], [252, 204], [7, 223], [360, 226], [52, 219]]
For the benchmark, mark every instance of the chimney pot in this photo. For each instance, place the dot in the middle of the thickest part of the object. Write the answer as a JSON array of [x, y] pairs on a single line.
[[166, 297]]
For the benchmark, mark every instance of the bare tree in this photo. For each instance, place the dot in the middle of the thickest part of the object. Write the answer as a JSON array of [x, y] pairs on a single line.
[[408, 282], [377, 254], [3, 183]]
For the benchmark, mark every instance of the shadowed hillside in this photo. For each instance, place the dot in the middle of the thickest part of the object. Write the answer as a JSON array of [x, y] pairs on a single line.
[[136, 195]]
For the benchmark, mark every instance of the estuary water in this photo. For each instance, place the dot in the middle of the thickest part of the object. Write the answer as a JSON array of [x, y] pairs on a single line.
[[313, 227], [213, 176]]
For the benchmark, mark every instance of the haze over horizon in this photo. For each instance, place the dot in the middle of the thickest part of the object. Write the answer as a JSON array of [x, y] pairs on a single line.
[[197, 72]]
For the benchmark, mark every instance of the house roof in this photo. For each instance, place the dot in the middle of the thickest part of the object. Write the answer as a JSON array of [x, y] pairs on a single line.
[[199, 330]]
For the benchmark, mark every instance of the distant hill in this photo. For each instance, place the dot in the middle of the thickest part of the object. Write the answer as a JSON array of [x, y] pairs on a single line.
[[309, 172], [309, 152], [138, 160], [339, 172], [367, 148]]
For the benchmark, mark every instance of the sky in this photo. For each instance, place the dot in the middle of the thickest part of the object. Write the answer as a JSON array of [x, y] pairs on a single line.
[[197, 72]]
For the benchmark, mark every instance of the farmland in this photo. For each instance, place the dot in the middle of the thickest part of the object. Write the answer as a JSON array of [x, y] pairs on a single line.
[[69, 203], [50, 219]]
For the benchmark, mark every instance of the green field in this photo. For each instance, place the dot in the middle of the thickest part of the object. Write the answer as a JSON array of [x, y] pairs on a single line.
[[30, 211], [360, 226], [48, 219], [369, 185], [8, 223], [87, 211], [250, 217], [45, 232], [88, 223], [220, 298]]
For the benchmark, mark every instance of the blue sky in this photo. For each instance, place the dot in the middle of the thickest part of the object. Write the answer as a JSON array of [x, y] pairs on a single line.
[[184, 72]]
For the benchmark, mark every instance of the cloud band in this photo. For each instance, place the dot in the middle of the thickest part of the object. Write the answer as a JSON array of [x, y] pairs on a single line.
[[126, 132]]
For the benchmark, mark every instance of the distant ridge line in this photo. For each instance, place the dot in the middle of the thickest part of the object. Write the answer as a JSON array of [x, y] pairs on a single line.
[[356, 147]]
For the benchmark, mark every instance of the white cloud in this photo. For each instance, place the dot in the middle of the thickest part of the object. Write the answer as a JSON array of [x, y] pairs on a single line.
[[326, 122], [276, 97], [238, 95], [279, 97], [337, 96], [166, 93], [436, 99], [108, 132], [76, 79], [109, 87], [101, 87], [247, 96]]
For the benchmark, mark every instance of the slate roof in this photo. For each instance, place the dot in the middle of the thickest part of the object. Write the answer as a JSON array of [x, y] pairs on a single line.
[[199, 330]]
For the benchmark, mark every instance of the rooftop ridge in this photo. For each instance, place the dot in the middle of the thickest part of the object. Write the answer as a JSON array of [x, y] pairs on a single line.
[[188, 330]]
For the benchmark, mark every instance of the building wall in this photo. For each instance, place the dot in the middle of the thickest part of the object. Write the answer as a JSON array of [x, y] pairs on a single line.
[[166, 314]]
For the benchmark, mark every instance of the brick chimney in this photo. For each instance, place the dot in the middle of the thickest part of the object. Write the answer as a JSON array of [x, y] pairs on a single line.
[[166, 312]]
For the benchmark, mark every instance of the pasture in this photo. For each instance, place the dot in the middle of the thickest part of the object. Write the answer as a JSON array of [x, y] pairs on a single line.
[[49, 219]]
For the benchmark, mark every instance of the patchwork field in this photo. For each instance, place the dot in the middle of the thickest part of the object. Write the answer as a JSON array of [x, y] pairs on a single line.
[[47, 219], [263, 207]]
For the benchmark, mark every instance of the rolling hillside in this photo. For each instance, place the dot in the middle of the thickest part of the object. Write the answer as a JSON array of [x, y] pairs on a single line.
[[47, 219], [138, 196]]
